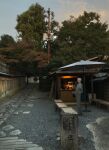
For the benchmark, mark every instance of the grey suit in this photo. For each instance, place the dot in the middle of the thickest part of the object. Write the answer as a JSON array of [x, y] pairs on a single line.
[[78, 92]]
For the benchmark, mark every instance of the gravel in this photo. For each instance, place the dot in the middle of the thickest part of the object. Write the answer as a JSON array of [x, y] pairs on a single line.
[[87, 142], [34, 115], [39, 126]]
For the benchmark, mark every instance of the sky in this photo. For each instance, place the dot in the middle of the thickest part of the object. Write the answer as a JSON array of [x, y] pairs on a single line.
[[9, 9]]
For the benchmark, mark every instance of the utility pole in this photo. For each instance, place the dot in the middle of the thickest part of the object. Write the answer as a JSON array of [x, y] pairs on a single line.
[[49, 34]]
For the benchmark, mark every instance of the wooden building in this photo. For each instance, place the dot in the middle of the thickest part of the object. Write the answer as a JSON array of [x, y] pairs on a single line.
[[64, 81], [9, 83], [101, 84]]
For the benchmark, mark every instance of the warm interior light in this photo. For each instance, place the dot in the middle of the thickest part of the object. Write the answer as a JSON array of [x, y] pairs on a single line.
[[68, 77], [69, 86]]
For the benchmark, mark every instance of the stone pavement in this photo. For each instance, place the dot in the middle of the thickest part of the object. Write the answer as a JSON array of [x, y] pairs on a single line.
[[13, 143], [29, 122], [9, 104]]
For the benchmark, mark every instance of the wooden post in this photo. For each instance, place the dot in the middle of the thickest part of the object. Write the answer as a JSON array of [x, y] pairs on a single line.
[[69, 129], [49, 34], [59, 87], [92, 88]]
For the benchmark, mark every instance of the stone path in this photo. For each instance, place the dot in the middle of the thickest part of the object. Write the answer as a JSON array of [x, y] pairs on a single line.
[[13, 143], [9, 140], [29, 122], [10, 104]]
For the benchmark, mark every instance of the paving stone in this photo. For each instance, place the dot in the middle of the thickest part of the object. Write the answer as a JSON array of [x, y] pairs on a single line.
[[6, 116], [12, 141], [20, 111], [26, 112], [15, 132], [7, 148], [58, 138], [32, 100], [1, 121], [20, 149], [16, 113], [2, 134], [32, 97], [1, 115], [8, 138], [35, 148], [14, 106], [30, 105], [23, 105], [17, 146], [7, 128], [40, 123], [58, 134]]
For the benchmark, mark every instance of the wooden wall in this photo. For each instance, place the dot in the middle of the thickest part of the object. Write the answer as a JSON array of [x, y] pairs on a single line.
[[106, 91], [9, 86], [101, 89]]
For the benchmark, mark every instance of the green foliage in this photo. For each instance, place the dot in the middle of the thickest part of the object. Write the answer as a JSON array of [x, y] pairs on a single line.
[[6, 41], [54, 64], [31, 25], [79, 38], [27, 68], [83, 37], [7, 49]]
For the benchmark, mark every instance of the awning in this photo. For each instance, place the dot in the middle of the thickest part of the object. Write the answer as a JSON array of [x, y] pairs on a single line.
[[100, 79]]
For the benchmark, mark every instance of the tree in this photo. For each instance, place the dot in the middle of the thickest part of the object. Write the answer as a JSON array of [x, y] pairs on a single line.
[[31, 25], [7, 49], [83, 37], [7, 41]]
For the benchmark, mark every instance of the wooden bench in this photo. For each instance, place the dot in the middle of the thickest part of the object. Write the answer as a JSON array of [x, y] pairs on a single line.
[[100, 102], [72, 104], [60, 104], [57, 104], [69, 110], [58, 101]]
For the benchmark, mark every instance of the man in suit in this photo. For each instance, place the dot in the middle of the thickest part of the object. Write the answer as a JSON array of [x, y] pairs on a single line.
[[78, 93]]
